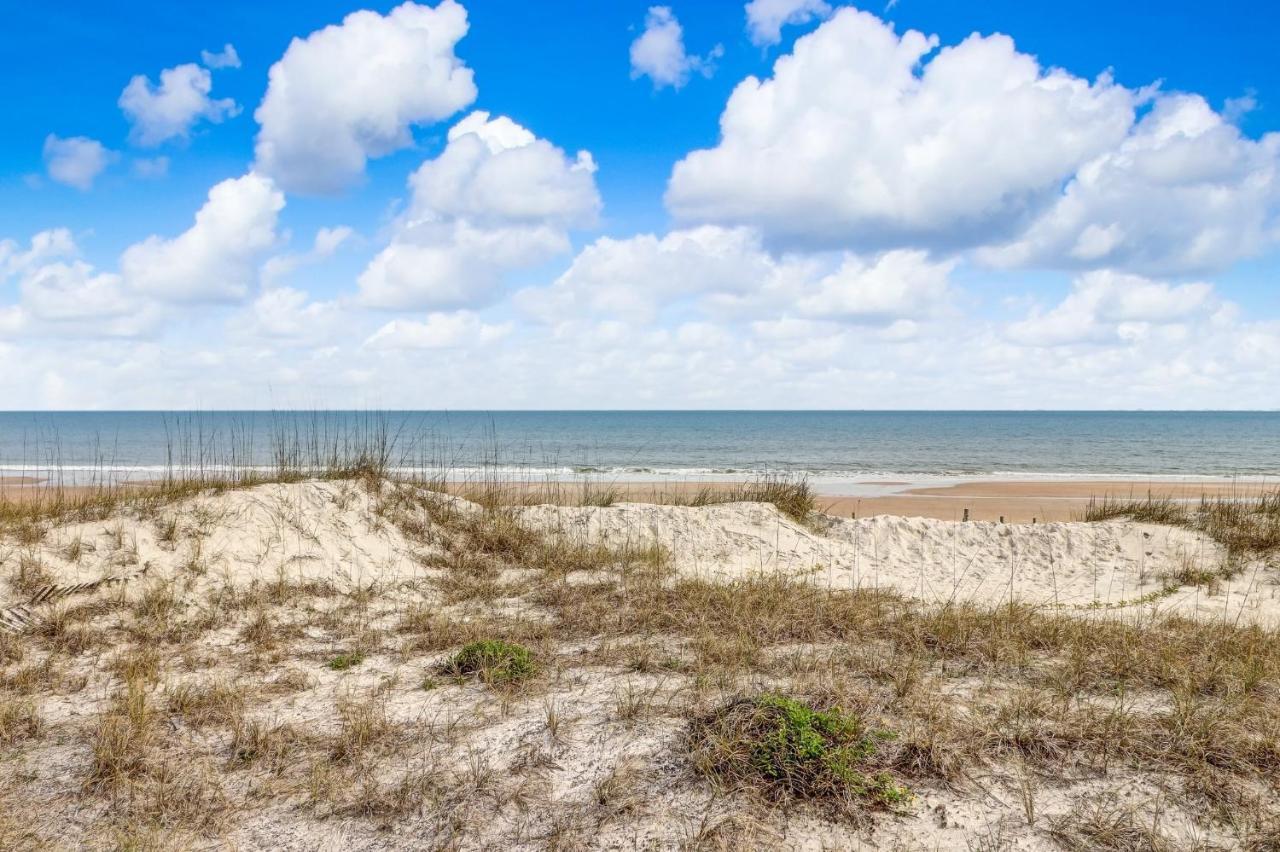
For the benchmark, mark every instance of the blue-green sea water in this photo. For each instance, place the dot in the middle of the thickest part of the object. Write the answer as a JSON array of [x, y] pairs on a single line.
[[827, 446]]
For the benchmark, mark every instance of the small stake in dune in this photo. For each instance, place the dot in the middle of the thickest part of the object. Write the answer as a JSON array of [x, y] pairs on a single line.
[[966, 514]]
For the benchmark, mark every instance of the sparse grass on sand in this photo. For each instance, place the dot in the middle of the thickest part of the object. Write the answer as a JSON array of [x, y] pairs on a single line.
[[1246, 526], [782, 746], [493, 661], [587, 695]]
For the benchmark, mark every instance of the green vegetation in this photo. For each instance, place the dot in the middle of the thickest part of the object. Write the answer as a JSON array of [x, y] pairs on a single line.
[[786, 747], [342, 662], [493, 661]]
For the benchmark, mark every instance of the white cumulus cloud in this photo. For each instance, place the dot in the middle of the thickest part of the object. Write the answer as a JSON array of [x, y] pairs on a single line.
[[1106, 306], [171, 109], [496, 199], [1184, 193], [728, 273], [865, 139], [659, 52], [353, 91], [76, 161], [896, 285], [766, 18], [638, 276], [60, 294], [439, 331], [289, 314], [216, 259], [856, 141]]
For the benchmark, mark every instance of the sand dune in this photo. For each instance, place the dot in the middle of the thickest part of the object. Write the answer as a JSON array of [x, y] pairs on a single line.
[[330, 531], [1076, 566], [271, 660]]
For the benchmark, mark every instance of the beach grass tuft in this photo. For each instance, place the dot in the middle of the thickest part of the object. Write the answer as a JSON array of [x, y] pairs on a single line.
[[1246, 525], [494, 661], [783, 746]]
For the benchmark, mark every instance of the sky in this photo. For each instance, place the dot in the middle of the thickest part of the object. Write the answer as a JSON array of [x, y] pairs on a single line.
[[916, 204]]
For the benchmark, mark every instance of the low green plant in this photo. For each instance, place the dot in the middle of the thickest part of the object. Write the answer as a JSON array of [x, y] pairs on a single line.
[[493, 661], [342, 662], [785, 747]]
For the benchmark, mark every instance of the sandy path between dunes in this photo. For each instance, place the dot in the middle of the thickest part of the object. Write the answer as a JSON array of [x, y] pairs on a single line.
[[331, 531]]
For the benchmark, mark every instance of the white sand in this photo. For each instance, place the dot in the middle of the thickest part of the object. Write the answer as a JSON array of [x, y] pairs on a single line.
[[327, 530], [305, 531], [1074, 566], [331, 531]]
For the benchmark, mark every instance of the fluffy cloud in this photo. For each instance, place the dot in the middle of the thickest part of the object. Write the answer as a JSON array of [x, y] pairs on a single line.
[[638, 276], [863, 140], [326, 242], [352, 91], [216, 259], [1106, 306], [854, 142], [659, 53], [288, 314], [1184, 193], [170, 110], [766, 18], [897, 285], [495, 172], [73, 290], [76, 161], [496, 199], [60, 294], [45, 246], [225, 58], [452, 264], [440, 331], [727, 272]]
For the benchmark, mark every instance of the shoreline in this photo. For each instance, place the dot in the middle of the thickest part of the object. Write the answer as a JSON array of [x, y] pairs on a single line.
[[1016, 500]]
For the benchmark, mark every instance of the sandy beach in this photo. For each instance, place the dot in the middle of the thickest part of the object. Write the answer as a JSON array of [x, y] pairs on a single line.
[[286, 655], [989, 499], [1022, 501]]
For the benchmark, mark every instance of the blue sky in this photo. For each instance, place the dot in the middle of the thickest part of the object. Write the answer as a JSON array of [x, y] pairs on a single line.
[[749, 277]]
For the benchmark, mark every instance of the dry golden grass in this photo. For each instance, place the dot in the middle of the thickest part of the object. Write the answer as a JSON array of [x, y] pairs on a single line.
[[200, 728], [19, 721], [1245, 526]]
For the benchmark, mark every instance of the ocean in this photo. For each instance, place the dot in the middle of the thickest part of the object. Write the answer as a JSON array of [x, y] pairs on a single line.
[[829, 447]]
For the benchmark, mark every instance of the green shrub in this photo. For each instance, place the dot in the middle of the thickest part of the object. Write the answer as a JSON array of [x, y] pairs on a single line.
[[785, 747], [342, 662], [493, 661]]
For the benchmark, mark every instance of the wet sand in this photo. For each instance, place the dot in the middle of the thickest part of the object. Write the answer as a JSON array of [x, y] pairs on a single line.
[[1021, 501]]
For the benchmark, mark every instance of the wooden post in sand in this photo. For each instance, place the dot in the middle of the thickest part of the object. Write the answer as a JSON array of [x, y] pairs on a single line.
[[1002, 519], [966, 514]]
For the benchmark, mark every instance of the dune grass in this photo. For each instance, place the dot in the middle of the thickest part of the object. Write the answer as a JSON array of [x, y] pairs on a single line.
[[782, 746], [494, 661], [1245, 526]]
